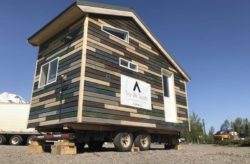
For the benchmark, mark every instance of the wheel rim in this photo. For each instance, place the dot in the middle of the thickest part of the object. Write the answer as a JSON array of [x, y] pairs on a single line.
[[144, 141], [29, 141], [125, 140], [15, 140]]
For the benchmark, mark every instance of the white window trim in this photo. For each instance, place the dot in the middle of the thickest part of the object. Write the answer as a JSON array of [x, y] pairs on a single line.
[[39, 84], [125, 40], [120, 59]]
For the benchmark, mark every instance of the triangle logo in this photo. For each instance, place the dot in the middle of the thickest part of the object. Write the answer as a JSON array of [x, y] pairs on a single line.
[[137, 87]]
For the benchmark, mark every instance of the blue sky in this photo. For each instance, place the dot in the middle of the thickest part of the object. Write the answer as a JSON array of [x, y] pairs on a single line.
[[210, 39]]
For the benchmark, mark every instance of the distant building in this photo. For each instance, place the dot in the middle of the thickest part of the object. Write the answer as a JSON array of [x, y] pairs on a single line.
[[226, 135]]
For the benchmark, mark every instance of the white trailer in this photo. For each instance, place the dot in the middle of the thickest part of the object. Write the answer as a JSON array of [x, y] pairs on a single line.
[[13, 124]]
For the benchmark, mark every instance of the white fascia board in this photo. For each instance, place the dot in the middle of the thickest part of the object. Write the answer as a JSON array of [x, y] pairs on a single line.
[[106, 11]]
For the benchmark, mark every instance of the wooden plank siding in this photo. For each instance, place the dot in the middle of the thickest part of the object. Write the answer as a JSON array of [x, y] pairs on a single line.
[[47, 106], [92, 87], [101, 102]]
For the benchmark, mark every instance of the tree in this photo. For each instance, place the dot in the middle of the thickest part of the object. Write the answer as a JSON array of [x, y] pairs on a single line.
[[241, 126], [225, 125], [196, 135], [210, 138], [246, 127], [237, 124], [247, 131]]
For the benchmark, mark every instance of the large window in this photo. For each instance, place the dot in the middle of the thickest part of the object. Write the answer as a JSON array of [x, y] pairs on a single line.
[[48, 73], [128, 64], [119, 33]]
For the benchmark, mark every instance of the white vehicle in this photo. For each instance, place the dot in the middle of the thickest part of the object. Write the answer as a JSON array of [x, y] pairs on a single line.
[[13, 124]]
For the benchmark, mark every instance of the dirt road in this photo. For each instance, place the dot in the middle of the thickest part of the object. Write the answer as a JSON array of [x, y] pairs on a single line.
[[195, 154]]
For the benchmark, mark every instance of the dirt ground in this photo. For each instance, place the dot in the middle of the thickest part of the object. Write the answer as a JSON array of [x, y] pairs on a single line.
[[195, 154]]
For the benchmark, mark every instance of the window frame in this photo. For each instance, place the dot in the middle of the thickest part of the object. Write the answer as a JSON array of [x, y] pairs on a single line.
[[128, 67], [47, 78], [118, 29]]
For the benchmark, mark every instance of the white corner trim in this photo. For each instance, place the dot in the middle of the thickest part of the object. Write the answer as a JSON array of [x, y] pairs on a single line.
[[83, 67]]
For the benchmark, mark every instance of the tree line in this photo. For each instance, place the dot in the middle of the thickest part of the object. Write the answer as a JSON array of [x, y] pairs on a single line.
[[197, 133]]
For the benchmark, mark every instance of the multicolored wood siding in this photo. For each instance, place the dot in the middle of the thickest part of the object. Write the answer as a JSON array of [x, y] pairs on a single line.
[[101, 99], [101, 102], [47, 105]]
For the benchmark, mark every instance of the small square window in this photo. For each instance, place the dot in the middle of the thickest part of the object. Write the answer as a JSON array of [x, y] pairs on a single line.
[[128, 64], [48, 73], [124, 63], [132, 66]]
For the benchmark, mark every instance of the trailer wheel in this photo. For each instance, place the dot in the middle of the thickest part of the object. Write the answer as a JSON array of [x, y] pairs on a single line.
[[95, 146], [168, 146], [80, 147], [2, 140], [171, 143], [16, 140], [123, 141], [29, 140], [143, 141]]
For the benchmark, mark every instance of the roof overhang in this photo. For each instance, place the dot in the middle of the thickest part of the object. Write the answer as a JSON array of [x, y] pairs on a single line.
[[60, 22], [80, 8]]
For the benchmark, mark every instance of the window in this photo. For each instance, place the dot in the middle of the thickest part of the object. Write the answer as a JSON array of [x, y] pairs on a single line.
[[124, 63], [166, 85], [119, 33], [48, 73], [128, 64], [132, 66]]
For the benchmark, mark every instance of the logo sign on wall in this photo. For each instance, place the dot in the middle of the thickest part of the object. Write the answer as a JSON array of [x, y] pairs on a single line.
[[135, 93]]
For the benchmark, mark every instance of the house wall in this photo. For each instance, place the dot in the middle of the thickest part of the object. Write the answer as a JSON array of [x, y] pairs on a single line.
[[101, 102], [46, 104], [101, 99]]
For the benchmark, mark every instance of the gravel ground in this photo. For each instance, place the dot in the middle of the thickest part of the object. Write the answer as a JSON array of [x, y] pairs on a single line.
[[188, 154]]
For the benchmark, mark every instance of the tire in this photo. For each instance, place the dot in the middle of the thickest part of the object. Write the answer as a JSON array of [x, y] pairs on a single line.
[[80, 147], [95, 146], [171, 143], [123, 141], [2, 140], [143, 141], [168, 146], [16, 140], [29, 140]]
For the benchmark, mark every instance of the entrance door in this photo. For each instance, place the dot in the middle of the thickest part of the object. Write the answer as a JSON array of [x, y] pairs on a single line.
[[169, 97]]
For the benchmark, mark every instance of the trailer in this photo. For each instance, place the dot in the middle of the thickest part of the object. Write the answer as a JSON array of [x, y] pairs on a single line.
[[102, 76], [13, 124]]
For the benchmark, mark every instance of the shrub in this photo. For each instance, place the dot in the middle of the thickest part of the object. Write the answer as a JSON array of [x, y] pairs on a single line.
[[245, 142]]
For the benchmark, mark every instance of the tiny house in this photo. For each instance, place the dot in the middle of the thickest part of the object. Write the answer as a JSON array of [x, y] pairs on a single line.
[[103, 76]]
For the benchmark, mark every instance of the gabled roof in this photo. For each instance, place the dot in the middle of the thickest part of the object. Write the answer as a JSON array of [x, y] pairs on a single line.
[[80, 8]]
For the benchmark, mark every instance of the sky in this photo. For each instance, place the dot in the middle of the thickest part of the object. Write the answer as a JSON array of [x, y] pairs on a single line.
[[210, 39]]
